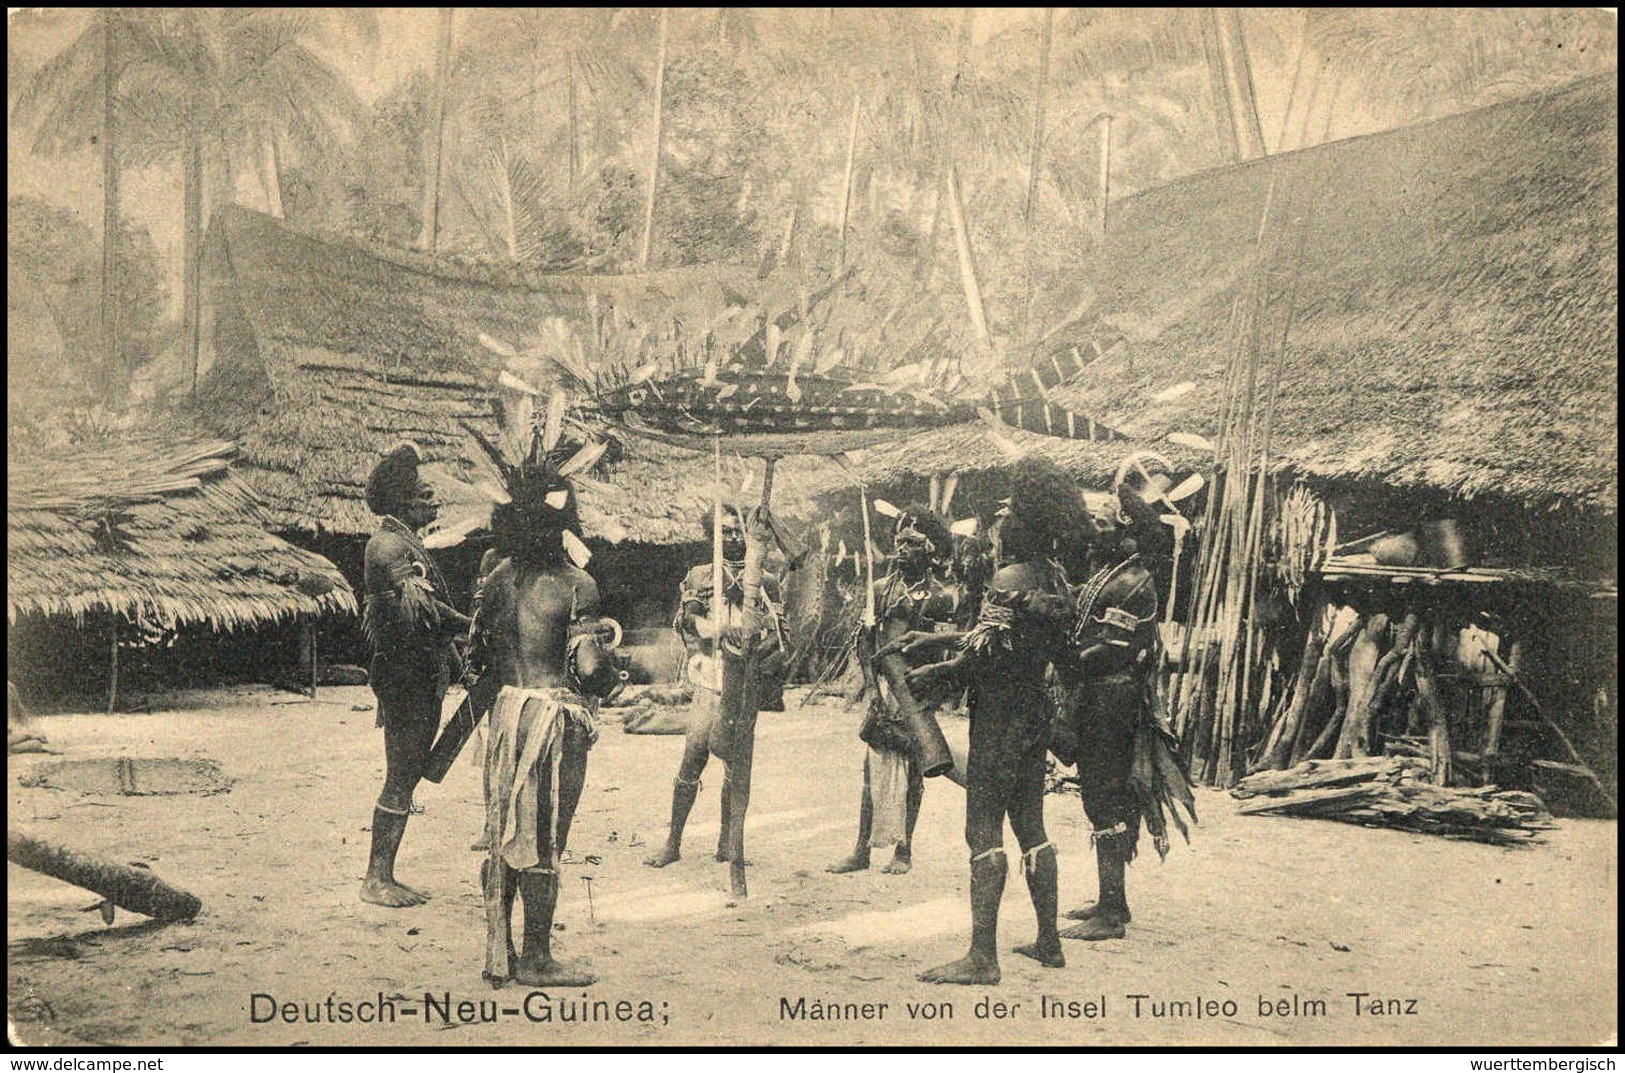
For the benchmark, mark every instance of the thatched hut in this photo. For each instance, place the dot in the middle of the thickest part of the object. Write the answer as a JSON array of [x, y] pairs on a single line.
[[141, 538], [320, 354], [1455, 325], [1450, 298]]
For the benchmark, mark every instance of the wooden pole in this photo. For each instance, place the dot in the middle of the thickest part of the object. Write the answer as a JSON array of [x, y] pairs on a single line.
[[1241, 77], [846, 186], [658, 144], [1292, 93], [112, 676], [1224, 113], [1038, 116]]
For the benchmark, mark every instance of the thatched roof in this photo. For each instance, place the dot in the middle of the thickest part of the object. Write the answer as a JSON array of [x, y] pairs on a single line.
[[325, 354], [163, 533], [971, 447], [1457, 315]]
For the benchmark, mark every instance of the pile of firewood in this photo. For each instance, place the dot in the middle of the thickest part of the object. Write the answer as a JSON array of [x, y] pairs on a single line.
[[1394, 792]]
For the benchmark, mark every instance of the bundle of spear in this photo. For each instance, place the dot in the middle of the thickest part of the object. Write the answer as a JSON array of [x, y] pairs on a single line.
[[1223, 683]]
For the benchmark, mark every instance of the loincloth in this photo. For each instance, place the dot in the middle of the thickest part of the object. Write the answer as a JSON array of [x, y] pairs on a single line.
[[522, 760], [522, 756]]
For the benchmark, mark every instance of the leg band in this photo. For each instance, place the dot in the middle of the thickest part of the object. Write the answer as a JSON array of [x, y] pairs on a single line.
[[988, 853], [381, 807], [696, 783], [1029, 859], [537, 870], [1115, 830]]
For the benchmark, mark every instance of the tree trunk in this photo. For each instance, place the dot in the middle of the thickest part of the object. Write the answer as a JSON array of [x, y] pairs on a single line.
[[655, 150], [112, 359], [1038, 116], [271, 173], [1292, 91], [430, 238], [125, 886], [575, 123], [112, 669], [510, 228], [846, 186], [967, 263], [1103, 188], [192, 248]]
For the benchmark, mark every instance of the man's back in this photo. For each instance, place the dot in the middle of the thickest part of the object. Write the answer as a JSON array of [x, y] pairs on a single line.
[[526, 618]]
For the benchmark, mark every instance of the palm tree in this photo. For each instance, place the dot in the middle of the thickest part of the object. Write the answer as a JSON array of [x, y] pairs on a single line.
[[72, 102], [217, 87]]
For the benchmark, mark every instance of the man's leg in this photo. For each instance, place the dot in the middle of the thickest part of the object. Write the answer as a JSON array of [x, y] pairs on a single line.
[[536, 967], [409, 729], [858, 859], [985, 794], [539, 886], [683, 792], [1103, 773], [1038, 862], [903, 857]]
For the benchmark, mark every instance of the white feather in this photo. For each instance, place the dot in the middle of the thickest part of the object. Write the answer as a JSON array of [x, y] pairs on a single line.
[[576, 550]]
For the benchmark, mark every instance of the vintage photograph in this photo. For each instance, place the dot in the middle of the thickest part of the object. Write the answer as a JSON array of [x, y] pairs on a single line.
[[823, 527]]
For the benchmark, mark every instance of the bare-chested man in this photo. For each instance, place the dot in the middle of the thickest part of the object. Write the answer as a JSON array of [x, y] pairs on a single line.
[[1023, 628], [913, 597], [538, 629], [409, 625], [699, 634]]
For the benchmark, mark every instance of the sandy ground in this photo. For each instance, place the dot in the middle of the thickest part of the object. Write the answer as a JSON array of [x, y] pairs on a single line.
[[1480, 945]]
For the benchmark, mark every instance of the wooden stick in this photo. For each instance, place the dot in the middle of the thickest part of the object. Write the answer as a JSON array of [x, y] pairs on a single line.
[[1568, 746], [112, 677]]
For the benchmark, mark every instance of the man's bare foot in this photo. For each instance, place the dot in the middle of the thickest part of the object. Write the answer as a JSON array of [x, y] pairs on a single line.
[[412, 890], [663, 858], [856, 861], [1092, 910], [973, 968], [392, 895], [1044, 954], [900, 864], [1104, 925], [550, 973]]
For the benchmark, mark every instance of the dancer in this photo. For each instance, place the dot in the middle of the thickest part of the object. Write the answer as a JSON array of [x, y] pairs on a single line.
[[912, 597], [699, 635], [537, 629], [1024, 627]]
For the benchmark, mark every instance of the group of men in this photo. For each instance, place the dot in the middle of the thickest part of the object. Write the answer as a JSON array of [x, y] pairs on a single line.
[[1041, 665]]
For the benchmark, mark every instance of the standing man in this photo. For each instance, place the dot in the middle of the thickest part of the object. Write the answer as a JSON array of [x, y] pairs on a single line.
[[700, 634], [1024, 627], [537, 629], [409, 623], [912, 597], [1116, 717]]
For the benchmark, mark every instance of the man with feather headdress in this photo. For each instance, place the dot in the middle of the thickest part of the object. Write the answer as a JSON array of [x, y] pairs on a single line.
[[538, 630], [1128, 766], [409, 624]]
